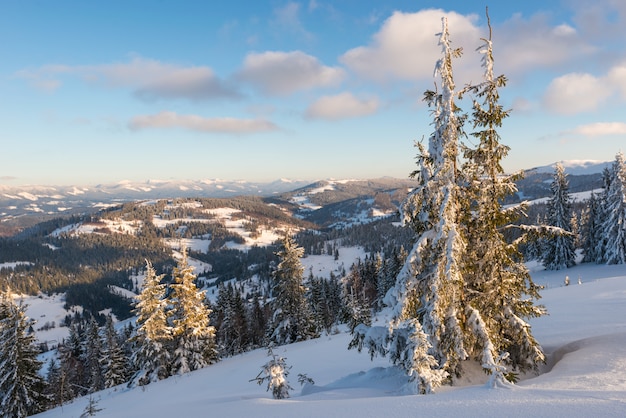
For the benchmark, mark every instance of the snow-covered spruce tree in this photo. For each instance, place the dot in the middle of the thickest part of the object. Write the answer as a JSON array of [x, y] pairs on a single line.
[[357, 309], [232, 332], [387, 278], [429, 287], [275, 373], [193, 338], [425, 336], [326, 302], [22, 388], [56, 385], [499, 291], [72, 368], [614, 212], [151, 356], [463, 291], [603, 214], [92, 357], [6, 304], [292, 320], [559, 249], [591, 230], [257, 323], [114, 361]]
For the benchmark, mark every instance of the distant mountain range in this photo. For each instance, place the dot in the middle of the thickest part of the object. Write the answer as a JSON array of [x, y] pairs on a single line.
[[45, 201], [25, 205], [582, 175], [575, 167]]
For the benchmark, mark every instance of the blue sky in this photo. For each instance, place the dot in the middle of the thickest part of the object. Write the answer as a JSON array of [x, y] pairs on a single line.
[[103, 91]]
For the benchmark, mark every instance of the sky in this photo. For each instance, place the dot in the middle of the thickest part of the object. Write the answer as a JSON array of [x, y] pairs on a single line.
[[100, 92]]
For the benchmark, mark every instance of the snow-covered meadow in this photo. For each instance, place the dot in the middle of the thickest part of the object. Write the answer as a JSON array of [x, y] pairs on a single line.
[[584, 337]]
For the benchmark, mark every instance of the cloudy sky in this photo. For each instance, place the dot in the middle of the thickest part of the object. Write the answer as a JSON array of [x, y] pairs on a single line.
[[103, 91]]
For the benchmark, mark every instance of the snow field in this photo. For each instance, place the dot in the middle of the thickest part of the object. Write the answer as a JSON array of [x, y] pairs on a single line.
[[584, 337]]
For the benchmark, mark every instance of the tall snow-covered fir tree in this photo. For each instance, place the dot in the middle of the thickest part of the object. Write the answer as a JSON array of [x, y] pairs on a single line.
[[499, 291], [614, 211], [151, 356], [429, 287], [463, 291], [559, 249], [425, 335], [22, 388], [193, 338], [292, 320]]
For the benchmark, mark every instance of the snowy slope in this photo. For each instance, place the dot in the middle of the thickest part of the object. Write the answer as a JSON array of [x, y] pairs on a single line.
[[584, 337]]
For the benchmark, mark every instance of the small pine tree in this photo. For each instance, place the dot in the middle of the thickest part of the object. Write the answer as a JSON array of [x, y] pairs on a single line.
[[91, 409], [22, 388], [275, 373]]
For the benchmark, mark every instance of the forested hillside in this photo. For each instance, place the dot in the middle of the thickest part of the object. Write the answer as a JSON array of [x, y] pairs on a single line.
[[84, 255]]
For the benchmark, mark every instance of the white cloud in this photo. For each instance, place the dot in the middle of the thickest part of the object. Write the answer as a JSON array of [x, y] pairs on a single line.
[[341, 106], [617, 78], [575, 93], [406, 45], [149, 79], [600, 19], [580, 92], [45, 84], [523, 45], [601, 129], [197, 123], [282, 73], [288, 17], [564, 30], [44, 78], [521, 105]]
